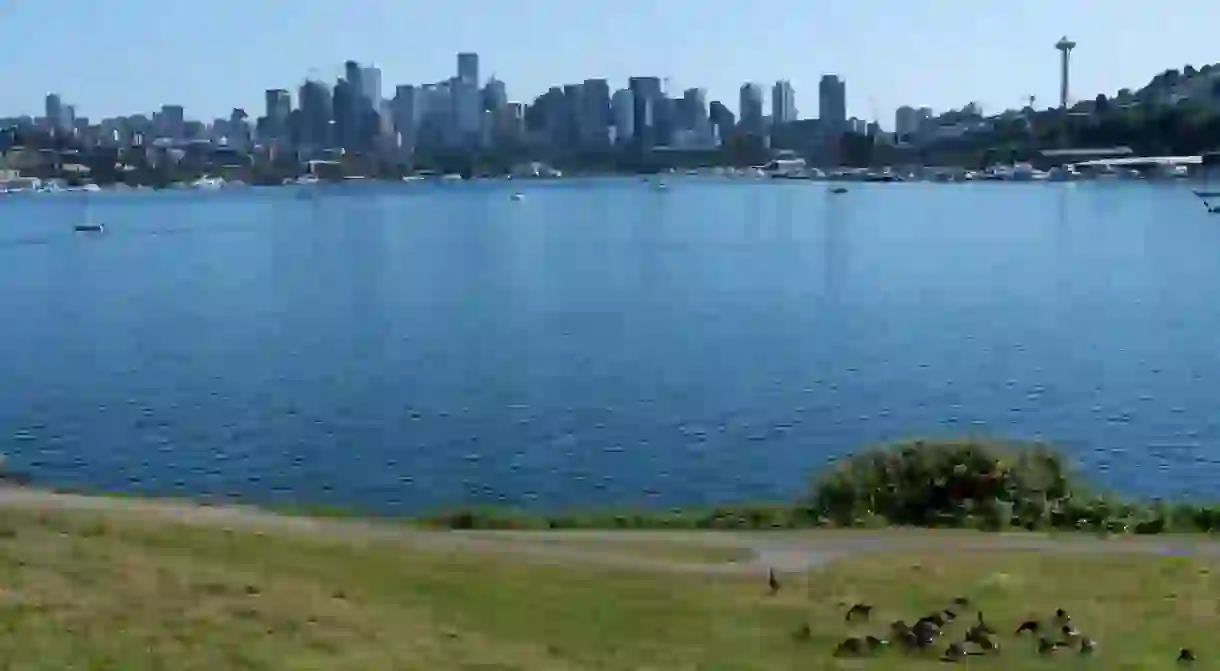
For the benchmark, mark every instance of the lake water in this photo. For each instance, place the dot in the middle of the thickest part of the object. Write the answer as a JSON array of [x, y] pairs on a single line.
[[411, 347]]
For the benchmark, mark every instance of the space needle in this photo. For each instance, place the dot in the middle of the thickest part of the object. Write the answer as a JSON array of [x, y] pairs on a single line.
[[1065, 46]]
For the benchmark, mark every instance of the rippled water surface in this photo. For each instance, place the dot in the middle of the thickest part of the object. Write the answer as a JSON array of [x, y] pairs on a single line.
[[408, 347]]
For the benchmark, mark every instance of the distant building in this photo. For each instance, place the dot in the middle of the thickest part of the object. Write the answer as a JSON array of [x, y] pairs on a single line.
[[622, 105], [832, 104], [783, 103], [370, 85], [750, 108], [468, 67], [595, 113], [906, 122], [646, 94], [495, 95], [722, 119]]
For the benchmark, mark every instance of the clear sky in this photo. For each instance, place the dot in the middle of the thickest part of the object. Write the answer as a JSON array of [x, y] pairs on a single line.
[[125, 56]]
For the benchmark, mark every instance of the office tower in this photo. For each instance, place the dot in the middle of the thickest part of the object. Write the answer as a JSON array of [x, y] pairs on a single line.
[[751, 108], [171, 122], [54, 111], [279, 107], [317, 112], [723, 121], [595, 115], [495, 95], [832, 104], [370, 85], [645, 96], [468, 67], [783, 103], [906, 121], [623, 107]]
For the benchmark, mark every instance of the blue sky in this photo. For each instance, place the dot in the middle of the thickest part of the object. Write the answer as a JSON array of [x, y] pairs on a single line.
[[124, 56]]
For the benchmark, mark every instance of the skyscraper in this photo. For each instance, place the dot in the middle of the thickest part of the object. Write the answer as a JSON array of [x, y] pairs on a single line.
[[624, 116], [645, 97], [468, 67], [317, 111], [595, 116], [54, 111], [751, 107], [370, 85], [495, 95], [832, 104], [783, 103]]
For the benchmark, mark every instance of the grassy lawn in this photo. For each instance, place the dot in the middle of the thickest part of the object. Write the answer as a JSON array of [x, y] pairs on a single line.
[[79, 591]]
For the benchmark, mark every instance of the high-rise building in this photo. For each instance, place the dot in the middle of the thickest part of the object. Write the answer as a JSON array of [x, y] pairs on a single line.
[[317, 112], [467, 109], [906, 122], [279, 107], [692, 113], [171, 122], [751, 108], [595, 114], [54, 111], [783, 103], [405, 114], [468, 67], [623, 108], [722, 119], [370, 85], [646, 95], [832, 104], [495, 95]]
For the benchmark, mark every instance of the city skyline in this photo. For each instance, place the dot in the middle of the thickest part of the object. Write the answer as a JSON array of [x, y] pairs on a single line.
[[999, 53]]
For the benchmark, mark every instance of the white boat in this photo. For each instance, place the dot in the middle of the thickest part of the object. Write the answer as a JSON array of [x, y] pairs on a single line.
[[208, 183], [517, 196]]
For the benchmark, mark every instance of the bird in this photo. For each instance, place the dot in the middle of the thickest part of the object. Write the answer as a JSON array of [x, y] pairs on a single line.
[[849, 647], [983, 626], [803, 632], [937, 619], [1045, 647], [898, 626], [875, 643], [1186, 655], [949, 615], [772, 581], [926, 628], [1087, 645], [962, 602], [862, 609], [954, 652], [1031, 626], [988, 644], [1062, 617], [1069, 632]]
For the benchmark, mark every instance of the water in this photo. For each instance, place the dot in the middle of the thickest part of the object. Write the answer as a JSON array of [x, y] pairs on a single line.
[[410, 347]]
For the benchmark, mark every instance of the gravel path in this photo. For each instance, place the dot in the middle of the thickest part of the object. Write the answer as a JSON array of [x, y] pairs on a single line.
[[787, 551]]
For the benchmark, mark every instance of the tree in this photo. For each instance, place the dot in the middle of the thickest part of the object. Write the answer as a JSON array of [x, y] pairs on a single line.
[[1102, 104]]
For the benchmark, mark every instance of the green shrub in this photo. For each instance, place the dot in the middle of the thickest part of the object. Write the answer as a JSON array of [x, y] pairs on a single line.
[[939, 483]]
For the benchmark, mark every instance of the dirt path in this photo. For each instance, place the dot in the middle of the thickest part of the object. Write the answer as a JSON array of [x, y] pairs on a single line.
[[783, 550]]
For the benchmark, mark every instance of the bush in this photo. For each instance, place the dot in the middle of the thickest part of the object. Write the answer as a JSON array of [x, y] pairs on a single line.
[[934, 483]]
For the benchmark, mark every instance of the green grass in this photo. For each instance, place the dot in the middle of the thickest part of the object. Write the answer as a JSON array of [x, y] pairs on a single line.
[[92, 591]]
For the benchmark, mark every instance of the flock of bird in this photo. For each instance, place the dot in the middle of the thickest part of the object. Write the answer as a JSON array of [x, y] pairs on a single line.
[[930, 631]]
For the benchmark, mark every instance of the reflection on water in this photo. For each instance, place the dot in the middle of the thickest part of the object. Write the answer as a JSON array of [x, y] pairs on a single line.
[[601, 342]]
